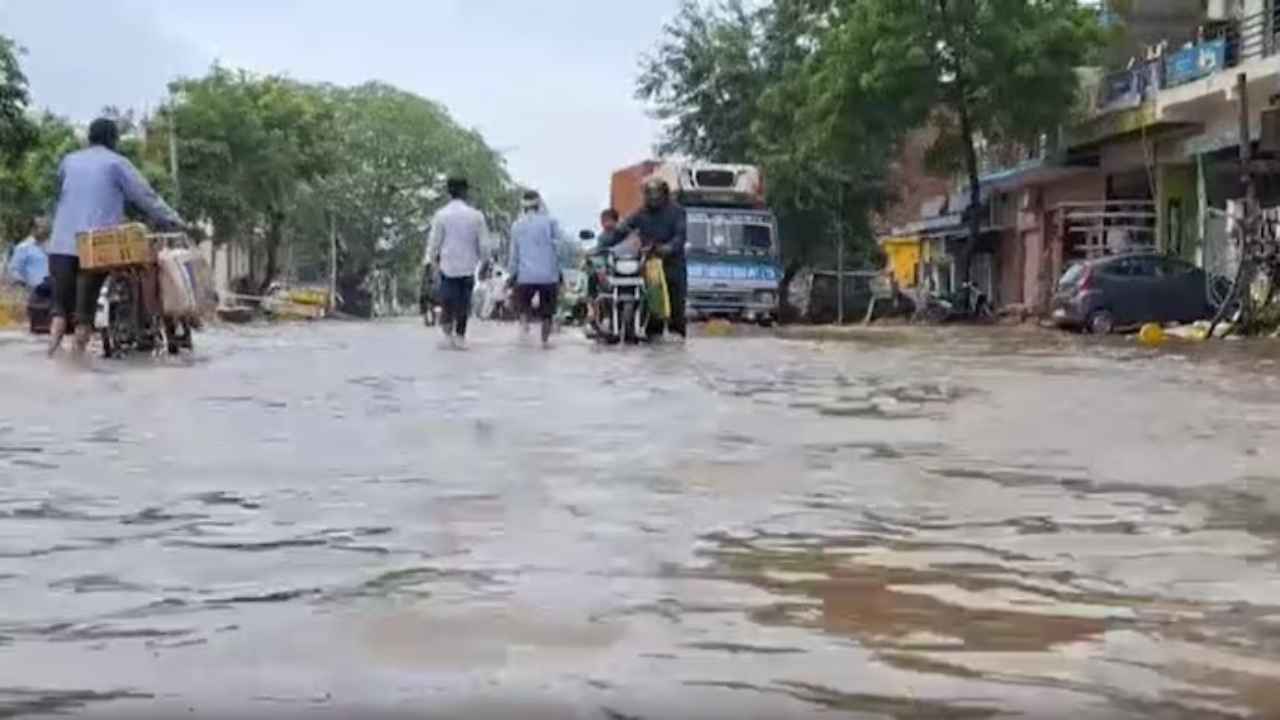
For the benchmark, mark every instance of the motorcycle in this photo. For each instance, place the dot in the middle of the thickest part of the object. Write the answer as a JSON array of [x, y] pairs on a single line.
[[130, 316], [619, 305], [968, 303]]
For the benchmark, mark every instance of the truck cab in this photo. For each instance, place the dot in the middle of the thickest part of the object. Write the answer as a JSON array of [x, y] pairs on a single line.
[[733, 263], [733, 252]]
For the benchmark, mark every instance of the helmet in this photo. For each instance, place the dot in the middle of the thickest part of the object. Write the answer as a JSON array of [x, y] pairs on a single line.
[[656, 192]]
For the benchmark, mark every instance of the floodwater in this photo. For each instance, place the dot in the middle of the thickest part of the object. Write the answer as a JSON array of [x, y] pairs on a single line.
[[339, 520]]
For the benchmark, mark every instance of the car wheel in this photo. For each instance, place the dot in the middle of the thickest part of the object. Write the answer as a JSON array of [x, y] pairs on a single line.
[[1100, 322]]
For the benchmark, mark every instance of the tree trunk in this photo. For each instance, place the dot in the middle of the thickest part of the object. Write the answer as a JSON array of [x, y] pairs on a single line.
[[786, 310], [275, 236], [960, 99]]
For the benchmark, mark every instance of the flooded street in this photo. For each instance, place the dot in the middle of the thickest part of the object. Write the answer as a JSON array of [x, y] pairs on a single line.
[[323, 520]]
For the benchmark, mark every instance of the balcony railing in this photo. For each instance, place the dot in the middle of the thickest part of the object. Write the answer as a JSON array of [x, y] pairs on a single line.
[[1257, 34], [1090, 230], [1212, 48]]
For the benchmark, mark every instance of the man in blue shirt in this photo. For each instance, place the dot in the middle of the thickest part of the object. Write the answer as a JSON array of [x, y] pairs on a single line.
[[29, 263], [93, 185], [29, 267], [535, 264]]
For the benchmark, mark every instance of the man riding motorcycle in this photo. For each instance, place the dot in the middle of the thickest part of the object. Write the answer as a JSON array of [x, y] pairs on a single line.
[[661, 227]]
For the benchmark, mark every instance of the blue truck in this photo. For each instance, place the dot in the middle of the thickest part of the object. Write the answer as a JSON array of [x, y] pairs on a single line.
[[733, 251]]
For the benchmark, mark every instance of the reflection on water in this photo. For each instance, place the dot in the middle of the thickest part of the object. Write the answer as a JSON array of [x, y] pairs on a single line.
[[918, 523]]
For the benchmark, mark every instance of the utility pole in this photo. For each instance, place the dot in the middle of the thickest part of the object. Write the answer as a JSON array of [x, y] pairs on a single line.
[[173, 151], [841, 231], [1251, 213], [1246, 142], [1249, 221], [840, 272]]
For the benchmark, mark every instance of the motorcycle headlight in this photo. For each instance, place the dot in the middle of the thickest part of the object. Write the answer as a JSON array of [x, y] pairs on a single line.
[[626, 267]]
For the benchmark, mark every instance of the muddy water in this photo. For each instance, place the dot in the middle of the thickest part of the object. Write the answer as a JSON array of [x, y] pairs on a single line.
[[320, 521]]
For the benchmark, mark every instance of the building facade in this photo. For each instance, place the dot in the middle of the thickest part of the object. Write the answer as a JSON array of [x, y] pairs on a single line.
[[1151, 166]]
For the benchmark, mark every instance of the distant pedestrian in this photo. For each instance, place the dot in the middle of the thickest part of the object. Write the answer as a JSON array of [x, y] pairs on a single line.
[[29, 267], [535, 264], [458, 232]]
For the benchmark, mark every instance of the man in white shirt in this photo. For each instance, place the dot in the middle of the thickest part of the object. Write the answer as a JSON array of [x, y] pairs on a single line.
[[458, 232]]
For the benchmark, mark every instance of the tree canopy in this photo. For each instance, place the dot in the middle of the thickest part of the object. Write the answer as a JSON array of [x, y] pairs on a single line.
[[392, 153], [822, 93], [980, 72], [732, 82], [16, 130], [28, 184], [247, 145], [275, 165]]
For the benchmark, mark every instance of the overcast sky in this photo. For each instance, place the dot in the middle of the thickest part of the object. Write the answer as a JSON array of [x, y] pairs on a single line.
[[549, 82]]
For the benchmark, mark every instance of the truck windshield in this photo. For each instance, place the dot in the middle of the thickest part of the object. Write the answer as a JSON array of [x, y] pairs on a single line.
[[729, 234]]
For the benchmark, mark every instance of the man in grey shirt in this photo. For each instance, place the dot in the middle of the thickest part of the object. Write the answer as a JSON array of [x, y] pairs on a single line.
[[535, 264], [458, 232], [93, 185]]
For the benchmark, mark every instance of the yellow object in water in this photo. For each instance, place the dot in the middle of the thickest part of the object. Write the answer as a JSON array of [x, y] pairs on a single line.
[[1151, 335], [719, 326], [659, 297], [10, 315], [307, 296]]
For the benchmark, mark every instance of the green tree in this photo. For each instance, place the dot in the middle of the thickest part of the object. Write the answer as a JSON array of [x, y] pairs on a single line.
[[703, 81], [248, 146], [16, 130], [735, 82], [826, 156], [979, 71], [28, 186], [392, 153]]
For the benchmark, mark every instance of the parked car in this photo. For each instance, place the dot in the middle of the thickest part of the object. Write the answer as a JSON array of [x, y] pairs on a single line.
[[860, 289], [1122, 291]]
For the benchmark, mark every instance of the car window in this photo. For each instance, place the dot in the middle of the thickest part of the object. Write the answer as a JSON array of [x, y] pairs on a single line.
[[1172, 267], [1146, 267], [1124, 267], [1072, 276], [1132, 267]]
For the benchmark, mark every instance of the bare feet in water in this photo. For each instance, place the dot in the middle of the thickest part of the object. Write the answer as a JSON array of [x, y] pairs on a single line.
[[57, 330]]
